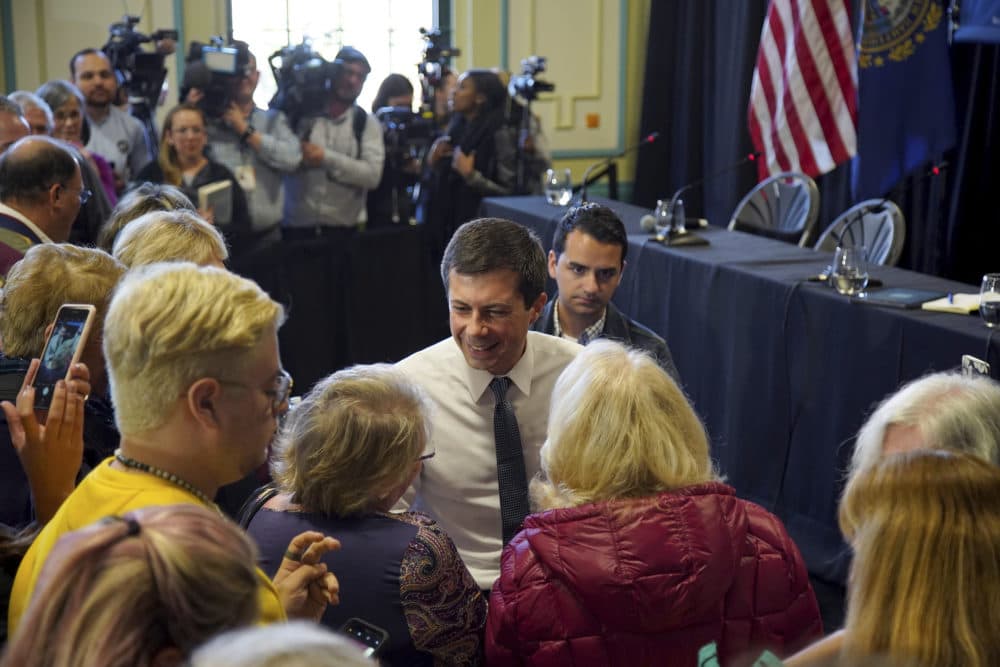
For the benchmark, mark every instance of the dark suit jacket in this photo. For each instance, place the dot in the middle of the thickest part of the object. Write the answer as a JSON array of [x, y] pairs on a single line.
[[622, 329]]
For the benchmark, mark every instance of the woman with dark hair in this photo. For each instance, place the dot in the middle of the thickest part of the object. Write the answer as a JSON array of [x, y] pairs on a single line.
[[474, 159], [182, 163], [395, 91]]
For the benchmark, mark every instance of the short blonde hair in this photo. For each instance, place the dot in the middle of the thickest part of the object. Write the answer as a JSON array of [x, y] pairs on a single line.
[[170, 324], [189, 573], [925, 527], [49, 275], [169, 236], [950, 410], [146, 198], [619, 427], [292, 644], [352, 440]]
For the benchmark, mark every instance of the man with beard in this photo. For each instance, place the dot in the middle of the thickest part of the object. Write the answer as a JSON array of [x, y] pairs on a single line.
[[114, 134], [341, 161]]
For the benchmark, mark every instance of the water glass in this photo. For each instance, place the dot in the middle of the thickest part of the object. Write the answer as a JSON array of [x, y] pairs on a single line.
[[663, 218], [558, 187], [989, 299], [850, 270]]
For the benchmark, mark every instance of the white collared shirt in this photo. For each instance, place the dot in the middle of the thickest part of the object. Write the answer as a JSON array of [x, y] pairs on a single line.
[[7, 210], [458, 487]]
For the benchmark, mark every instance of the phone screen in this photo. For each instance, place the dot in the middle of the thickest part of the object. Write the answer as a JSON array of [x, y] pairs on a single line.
[[68, 334], [370, 635]]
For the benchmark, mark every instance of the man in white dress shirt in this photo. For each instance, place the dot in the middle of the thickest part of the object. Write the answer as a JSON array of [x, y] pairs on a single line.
[[494, 272]]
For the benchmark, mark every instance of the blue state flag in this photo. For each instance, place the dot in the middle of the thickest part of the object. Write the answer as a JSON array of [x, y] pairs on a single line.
[[906, 105]]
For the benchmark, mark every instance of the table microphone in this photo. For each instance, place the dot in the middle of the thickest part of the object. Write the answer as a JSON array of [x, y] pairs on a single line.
[[648, 139]]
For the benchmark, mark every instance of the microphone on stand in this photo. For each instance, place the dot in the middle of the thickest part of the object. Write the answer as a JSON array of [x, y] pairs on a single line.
[[648, 139], [675, 236]]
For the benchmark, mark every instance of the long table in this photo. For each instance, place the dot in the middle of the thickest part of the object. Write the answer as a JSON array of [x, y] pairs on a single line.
[[783, 371]]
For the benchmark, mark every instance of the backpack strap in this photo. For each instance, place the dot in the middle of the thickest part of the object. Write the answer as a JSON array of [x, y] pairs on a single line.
[[359, 121]]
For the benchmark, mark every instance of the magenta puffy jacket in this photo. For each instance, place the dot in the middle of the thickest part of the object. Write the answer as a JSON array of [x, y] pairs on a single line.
[[648, 582]]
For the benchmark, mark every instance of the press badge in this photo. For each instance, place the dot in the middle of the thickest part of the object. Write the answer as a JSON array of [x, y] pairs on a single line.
[[247, 177]]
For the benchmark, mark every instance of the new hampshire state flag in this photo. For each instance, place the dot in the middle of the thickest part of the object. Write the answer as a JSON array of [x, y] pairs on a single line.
[[906, 106]]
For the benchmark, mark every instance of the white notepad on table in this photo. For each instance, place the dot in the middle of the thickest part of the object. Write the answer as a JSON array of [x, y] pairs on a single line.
[[962, 304]]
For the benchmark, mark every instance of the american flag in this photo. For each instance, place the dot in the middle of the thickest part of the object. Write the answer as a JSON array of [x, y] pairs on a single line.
[[803, 99]]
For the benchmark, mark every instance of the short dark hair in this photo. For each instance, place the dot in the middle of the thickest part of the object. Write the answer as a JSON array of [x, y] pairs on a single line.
[[593, 220], [29, 177], [493, 244], [84, 52]]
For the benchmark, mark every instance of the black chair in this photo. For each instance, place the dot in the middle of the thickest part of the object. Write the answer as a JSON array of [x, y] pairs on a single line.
[[877, 224], [784, 207]]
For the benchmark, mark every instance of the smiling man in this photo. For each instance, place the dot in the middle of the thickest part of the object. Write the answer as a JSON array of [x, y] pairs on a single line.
[[490, 384], [587, 261]]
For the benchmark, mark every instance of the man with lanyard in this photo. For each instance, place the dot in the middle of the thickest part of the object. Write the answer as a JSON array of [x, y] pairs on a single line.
[[342, 159]]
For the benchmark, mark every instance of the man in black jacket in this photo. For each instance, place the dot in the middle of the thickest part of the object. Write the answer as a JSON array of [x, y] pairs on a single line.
[[586, 261]]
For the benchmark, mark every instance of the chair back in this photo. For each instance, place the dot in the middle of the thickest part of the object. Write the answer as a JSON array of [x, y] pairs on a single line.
[[877, 224], [784, 206]]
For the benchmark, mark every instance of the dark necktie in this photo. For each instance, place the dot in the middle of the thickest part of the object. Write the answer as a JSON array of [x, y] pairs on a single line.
[[511, 476]]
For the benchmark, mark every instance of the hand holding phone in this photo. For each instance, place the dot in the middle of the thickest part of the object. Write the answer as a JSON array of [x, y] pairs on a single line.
[[51, 454], [63, 347]]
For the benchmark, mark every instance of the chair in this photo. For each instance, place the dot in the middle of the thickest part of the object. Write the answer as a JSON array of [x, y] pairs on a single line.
[[875, 223], [784, 207]]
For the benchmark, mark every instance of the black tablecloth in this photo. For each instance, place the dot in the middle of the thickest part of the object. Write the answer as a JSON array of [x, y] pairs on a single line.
[[783, 371]]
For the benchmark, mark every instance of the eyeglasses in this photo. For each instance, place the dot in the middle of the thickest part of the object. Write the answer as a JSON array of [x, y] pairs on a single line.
[[85, 196], [279, 395]]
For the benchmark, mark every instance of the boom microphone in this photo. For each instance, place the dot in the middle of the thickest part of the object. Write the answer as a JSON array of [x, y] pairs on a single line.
[[648, 139]]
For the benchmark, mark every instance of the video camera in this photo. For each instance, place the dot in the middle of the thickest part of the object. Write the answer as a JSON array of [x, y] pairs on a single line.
[[140, 73], [215, 69], [306, 82], [407, 134], [437, 56], [525, 86]]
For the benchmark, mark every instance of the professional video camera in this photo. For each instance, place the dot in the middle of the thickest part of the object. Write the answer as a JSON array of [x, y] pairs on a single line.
[[306, 82], [407, 134], [215, 69], [525, 86], [140, 73], [437, 56]]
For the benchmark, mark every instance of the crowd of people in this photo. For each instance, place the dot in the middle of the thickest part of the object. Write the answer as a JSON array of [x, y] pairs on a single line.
[[536, 489]]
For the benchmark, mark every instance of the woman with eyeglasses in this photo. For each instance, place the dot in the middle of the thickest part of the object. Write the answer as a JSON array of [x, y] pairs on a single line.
[[182, 162], [343, 458]]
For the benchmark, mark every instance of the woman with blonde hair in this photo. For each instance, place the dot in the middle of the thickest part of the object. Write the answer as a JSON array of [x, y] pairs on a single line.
[[925, 528], [182, 163], [639, 554], [142, 589], [344, 457]]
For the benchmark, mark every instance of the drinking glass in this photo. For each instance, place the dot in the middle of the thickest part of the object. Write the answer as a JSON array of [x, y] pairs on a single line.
[[558, 187], [664, 218], [850, 270], [989, 299]]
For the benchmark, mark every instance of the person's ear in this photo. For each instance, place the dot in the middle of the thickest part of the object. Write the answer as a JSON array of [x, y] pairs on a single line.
[[55, 192], [536, 308], [202, 400], [622, 272], [553, 261]]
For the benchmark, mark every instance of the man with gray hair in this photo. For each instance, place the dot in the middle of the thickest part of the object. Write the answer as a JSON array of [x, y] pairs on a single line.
[[490, 385], [36, 111], [13, 125], [41, 190]]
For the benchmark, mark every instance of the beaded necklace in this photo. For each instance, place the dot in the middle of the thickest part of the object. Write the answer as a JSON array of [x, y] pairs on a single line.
[[162, 474]]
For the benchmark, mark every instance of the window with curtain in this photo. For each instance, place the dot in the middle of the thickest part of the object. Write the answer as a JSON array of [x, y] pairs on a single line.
[[386, 31]]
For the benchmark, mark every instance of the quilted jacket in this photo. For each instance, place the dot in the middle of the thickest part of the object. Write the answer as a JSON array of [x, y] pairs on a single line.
[[649, 581]]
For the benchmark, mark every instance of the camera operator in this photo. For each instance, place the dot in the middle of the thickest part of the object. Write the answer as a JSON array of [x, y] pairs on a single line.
[[258, 146], [114, 134], [326, 195]]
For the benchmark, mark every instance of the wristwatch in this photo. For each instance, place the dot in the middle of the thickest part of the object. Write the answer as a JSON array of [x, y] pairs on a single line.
[[247, 133]]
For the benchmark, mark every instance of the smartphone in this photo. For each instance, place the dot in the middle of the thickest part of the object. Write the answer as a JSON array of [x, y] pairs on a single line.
[[62, 349], [973, 366], [372, 636]]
